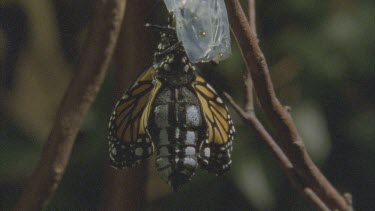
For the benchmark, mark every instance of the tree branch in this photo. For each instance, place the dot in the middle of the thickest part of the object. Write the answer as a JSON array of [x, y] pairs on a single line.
[[248, 82], [279, 117], [250, 118], [251, 15], [82, 91]]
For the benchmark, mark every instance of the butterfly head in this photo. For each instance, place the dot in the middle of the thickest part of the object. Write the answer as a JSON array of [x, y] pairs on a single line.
[[171, 62], [175, 69]]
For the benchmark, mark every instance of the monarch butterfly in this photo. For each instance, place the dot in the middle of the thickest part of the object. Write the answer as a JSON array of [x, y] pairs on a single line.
[[172, 107]]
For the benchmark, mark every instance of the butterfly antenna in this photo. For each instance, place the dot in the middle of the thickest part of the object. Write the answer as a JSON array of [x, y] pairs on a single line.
[[160, 28]]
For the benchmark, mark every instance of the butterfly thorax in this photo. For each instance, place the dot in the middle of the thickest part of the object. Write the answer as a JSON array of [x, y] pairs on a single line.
[[172, 65]]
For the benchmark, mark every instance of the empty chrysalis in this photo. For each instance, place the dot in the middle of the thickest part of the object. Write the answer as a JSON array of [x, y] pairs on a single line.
[[202, 27]]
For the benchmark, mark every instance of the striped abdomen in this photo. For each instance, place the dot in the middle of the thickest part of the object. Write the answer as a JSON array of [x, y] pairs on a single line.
[[176, 127]]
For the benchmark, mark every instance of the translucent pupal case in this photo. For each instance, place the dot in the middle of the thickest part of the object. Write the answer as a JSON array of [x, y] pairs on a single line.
[[203, 28]]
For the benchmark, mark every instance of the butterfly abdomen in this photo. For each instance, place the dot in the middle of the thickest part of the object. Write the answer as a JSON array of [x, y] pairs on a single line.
[[176, 127]]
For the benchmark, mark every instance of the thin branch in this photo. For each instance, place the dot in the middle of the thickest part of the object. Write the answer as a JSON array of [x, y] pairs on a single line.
[[252, 15], [251, 119], [248, 115], [248, 82], [249, 91], [82, 91], [280, 119]]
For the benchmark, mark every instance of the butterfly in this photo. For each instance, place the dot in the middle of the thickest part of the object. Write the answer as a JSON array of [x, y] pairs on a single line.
[[172, 110]]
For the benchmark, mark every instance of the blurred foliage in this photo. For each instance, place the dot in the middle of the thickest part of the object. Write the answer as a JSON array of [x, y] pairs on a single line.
[[321, 59]]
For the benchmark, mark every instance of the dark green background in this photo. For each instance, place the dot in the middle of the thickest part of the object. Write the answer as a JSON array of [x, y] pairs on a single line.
[[321, 57]]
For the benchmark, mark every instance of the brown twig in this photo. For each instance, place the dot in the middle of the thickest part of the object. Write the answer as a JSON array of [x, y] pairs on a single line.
[[251, 15], [250, 118], [82, 91], [280, 119], [248, 82]]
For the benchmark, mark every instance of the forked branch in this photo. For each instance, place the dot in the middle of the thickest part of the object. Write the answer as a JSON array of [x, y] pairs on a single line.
[[80, 94], [315, 186]]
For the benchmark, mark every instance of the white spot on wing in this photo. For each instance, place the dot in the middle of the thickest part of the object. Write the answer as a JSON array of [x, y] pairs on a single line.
[[125, 96], [114, 152], [210, 87], [138, 151]]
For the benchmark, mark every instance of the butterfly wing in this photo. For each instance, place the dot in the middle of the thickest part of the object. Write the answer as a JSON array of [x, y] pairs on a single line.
[[216, 149], [129, 142]]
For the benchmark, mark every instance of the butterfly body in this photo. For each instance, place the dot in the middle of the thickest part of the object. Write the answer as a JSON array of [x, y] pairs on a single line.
[[173, 110], [176, 126]]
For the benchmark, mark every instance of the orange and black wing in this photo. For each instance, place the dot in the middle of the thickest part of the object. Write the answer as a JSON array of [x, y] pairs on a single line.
[[216, 150], [129, 142]]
